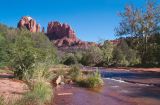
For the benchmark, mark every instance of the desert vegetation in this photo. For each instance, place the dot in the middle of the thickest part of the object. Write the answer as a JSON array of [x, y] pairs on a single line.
[[29, 55], [87, 79]]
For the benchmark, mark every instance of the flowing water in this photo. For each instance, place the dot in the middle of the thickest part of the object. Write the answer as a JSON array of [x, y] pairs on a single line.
[[140, 87], [120, 88]]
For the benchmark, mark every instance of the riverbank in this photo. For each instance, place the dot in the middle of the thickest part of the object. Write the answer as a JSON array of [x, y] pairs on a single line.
[[134, 69], [10, 88]]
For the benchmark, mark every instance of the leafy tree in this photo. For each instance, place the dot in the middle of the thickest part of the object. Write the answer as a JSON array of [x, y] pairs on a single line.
[[140, 23], [93, 56], [107, 50], [125, 56]]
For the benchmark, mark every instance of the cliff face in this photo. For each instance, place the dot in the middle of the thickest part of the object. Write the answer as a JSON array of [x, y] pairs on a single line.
[[28, 23], [62, 35], [56, 30]]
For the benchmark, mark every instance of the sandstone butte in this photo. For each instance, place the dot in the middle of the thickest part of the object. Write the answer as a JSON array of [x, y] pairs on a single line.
[[62, 35], [29, 23]]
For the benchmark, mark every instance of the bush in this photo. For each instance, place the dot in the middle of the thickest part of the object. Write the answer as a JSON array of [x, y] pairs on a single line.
[[70, 59], [27, 49], [75, 73], [2, 100], [3, 51], [40, 72], [91, 81]]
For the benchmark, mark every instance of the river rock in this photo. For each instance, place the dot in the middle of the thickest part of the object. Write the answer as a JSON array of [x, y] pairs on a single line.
[[59, 80]]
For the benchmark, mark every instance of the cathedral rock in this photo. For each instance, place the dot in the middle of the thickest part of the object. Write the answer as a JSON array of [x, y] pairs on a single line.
[[62, 35]]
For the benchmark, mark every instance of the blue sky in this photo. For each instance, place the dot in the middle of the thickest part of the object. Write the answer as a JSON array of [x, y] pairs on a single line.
[[92, 20]]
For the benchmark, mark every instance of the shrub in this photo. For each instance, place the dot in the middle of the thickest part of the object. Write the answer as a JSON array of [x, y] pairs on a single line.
[[40, 72], [91, 80], [3, 51], [70, 59], [27, 49], [75, 73], [2, 100], [78, 55]]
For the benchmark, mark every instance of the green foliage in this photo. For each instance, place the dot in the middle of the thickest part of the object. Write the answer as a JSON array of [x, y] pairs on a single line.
[[137, 22], [2, 100], [107, 49], [75, 73], [30, 55], [25, 50], [78, 55], [93, 56], [3, 28], [40, 72], [40, 93], [91, 81], [142, 27], [3, 51], [70, 59], [125, 56]]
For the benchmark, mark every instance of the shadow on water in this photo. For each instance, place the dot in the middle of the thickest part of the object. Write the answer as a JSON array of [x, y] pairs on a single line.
[[150, 92], [134, 75]]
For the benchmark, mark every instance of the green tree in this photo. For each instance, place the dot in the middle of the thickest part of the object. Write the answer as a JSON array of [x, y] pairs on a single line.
[[107, 50], [123, 55], [93, 56], [140, 23]]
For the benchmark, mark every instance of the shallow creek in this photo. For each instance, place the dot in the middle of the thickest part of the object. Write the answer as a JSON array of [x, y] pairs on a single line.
[[120, 88]]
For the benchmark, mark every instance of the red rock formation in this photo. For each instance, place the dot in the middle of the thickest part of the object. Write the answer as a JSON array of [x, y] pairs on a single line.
[[62, 35], [29, 23], [56, 30]]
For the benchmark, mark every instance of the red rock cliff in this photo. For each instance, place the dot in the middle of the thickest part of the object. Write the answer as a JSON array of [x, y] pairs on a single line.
[[29, 23], [61, 34]]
